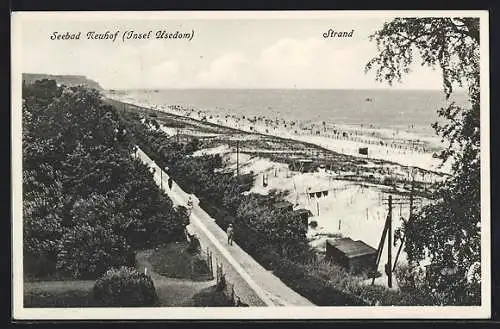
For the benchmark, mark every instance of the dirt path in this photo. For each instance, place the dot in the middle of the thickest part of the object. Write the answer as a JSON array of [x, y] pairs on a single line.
[[171, 291]]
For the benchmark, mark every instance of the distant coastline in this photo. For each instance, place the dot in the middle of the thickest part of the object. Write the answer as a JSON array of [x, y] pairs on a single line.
[[69, 80], [406, 149]]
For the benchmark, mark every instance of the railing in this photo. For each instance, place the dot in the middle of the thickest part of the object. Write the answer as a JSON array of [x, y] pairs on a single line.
[[226, 287], [222, 284]]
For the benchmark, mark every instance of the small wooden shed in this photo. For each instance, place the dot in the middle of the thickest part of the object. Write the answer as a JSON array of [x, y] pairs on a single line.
[[355, 256]]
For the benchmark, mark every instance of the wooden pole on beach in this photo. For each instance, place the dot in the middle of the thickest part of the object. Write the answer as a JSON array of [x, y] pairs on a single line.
[[409, 219], [237, 158], [389, 245]]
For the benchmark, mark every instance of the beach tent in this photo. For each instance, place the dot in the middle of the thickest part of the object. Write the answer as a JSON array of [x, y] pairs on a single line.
[[363, 150]]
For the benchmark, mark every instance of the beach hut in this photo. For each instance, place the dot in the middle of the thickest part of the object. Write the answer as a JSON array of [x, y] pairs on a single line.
[[355, 256], [363, 150], [301, 165]]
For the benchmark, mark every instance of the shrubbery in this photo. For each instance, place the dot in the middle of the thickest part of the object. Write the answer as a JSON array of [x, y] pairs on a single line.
[[87, 204], [194, 245], [125, 287]]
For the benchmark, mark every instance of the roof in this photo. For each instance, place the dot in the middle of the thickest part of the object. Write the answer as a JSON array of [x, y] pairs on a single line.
[[351, 248]]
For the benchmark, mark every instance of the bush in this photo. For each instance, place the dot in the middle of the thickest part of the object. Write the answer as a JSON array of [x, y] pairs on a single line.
[[268, 257], [38, 266], [194, 245], [318, 290], [210, 297], [88, 251], [125, 287]]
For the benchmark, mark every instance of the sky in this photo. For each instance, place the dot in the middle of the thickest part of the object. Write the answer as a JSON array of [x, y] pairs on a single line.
[[226, 52]]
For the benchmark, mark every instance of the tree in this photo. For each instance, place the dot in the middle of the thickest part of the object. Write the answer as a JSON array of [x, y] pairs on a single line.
[[448, 232], [88, 250], [125, 286], [86, 203], [272, 222], [192, 146]]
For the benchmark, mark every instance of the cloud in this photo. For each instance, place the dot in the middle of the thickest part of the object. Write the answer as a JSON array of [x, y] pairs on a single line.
[[297, 63], [148, 65], [290, 54], [307, 63], [164, 75], [288, 63], [231, 69]]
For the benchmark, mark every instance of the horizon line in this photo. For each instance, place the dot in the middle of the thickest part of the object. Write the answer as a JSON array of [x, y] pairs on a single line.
[[388, 88], [273, 88]]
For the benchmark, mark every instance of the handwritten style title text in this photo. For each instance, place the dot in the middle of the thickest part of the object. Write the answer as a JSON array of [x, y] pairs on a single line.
[[123, 35]]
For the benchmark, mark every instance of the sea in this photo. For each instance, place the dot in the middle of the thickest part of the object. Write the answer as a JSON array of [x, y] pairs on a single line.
[[392, 109]]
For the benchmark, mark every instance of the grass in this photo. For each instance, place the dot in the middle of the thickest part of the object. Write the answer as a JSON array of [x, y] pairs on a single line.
[[175, 261], [59, 294], [209, 297], [172, 261]]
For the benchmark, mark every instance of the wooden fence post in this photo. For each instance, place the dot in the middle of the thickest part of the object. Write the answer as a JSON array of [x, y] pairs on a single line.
[[211, 262]]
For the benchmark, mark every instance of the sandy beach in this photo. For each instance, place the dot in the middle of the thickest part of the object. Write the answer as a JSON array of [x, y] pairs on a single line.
[[398, 146]]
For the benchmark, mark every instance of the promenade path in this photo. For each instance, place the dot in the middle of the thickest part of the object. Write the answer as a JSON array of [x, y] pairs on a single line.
[[253, 284]]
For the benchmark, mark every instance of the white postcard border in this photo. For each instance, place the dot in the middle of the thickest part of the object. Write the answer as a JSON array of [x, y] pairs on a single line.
[[372, 312]]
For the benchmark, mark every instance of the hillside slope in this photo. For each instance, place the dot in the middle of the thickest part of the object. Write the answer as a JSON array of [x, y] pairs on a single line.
[[68, 80]]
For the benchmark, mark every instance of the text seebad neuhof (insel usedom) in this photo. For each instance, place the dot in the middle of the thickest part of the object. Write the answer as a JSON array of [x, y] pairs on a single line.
[[122, 35]]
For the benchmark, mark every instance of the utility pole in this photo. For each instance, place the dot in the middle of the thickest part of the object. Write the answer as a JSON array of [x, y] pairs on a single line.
[[389, 245], [386, 233], [237, 158], [409, 219]]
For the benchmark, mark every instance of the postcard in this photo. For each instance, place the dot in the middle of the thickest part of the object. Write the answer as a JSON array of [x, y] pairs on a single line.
[[250, 165]]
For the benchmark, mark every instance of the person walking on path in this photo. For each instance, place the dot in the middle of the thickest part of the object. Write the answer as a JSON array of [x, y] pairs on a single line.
[[170, 183], [230, 233]]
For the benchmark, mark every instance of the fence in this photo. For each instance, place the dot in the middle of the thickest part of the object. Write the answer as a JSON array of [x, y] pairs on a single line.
[[226, 287], [222, 284]]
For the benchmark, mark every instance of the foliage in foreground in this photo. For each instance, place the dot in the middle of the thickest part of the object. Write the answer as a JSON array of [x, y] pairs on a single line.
[[87, 205], [448, 232], [123, 287]]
